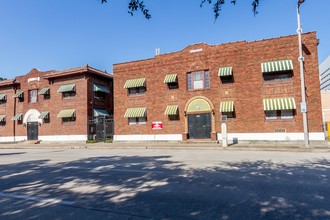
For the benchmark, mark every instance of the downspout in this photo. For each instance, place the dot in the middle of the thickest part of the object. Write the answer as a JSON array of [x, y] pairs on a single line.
[[14, 122]]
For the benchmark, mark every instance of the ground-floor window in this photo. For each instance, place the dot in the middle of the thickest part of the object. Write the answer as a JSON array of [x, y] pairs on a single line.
[[174, 117], [279, 114], [2, 123], [137, 120], [69, 120], [229, 114]]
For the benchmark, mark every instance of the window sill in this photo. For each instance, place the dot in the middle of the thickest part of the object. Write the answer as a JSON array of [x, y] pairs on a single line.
[[280, 120], [276, 81], [196, 90], [68, 98], [136, 95]]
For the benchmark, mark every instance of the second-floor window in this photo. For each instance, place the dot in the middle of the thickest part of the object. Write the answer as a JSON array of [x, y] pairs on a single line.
[[136, 90], [198, 80], [33, 96], [68, 90], [3, 99]]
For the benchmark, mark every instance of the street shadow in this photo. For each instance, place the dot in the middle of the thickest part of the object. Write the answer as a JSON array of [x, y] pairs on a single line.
[[9, 154], [156, 187]]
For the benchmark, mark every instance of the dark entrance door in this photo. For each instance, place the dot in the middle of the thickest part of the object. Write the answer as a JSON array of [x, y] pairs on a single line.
[[199, 126], [32, 130]]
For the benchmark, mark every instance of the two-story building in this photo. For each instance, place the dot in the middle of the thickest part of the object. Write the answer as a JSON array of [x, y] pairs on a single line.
[[186, 95], [54, 105]]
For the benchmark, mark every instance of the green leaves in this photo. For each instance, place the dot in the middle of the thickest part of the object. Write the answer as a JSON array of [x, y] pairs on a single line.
[[138, 5]]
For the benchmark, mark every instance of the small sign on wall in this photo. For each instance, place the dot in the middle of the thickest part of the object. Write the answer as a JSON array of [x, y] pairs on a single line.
[[157, 125]]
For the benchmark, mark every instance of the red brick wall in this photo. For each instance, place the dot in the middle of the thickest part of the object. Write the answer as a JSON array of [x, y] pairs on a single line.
[[8, 110], [247, 91], [84, 93]]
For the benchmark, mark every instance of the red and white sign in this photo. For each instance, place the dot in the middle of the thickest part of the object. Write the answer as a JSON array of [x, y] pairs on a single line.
[[157, 125]]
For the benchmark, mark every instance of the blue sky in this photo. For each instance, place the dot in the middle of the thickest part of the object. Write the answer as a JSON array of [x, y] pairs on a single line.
[[61, 34]]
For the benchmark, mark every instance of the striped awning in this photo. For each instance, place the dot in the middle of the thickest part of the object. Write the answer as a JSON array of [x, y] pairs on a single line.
[[171, 110], [100, 112], [135, 112], [276, 66], [2, 118], [67, 88], [68, 113], [101, 88], [3, 96], [227, 106], [44, 115], [133, 83], [279, 104], [44, 91], [18, 94], [171, 78], [225, 71], [17, 117]]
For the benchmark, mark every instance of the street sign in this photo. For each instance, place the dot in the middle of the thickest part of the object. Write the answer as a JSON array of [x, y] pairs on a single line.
[[303, 107], [223, 118]]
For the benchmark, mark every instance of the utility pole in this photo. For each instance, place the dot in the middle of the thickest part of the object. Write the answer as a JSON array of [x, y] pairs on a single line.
[[303, 105]]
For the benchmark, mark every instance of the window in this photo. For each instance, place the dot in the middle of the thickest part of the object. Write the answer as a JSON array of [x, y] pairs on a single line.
[[33, 96], [174, 117], [229, 114], [198, 80], [277, 75], [3, 102], [136, 90], [67, 95], [47, 96], [173, 85], [279, 114], [2, 123], [286, 114], [21, 99], [227, 79], [99, 95], [137, 120], [68, 120]]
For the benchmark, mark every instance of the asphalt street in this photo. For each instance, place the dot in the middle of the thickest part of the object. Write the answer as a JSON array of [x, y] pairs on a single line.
[[163, 184]]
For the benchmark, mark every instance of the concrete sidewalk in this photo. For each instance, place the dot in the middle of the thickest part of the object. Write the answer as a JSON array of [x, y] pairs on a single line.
[[315, 146]]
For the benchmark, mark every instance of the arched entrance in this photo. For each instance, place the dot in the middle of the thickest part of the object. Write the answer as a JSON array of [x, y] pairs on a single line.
[[199, 120], [32, 122]]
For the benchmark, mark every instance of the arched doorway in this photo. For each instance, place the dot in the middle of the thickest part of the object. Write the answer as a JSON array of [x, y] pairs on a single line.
[[199, 120], [32, 121]]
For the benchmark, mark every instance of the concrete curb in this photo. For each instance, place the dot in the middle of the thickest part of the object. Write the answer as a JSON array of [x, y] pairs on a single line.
[[289, 147]]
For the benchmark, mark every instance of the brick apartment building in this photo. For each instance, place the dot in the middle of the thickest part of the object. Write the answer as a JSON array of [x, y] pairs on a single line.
[[53, 105], [183, 95]]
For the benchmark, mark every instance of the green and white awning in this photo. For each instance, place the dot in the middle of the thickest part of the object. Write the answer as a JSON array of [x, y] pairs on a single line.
[[18, 94], [17, 117], [2, 118], [276, 66], [44, 115], [171, 78], [3, 96], [225, 71], [227, 106], [135, 112], [68, 113], [133, 83], [100, 88], [44, 91], [279, 104], [172, 110], [67, 88], [100, 112]]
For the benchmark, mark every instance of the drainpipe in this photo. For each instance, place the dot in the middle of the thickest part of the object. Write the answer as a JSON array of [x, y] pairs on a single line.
[[14, 122]]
